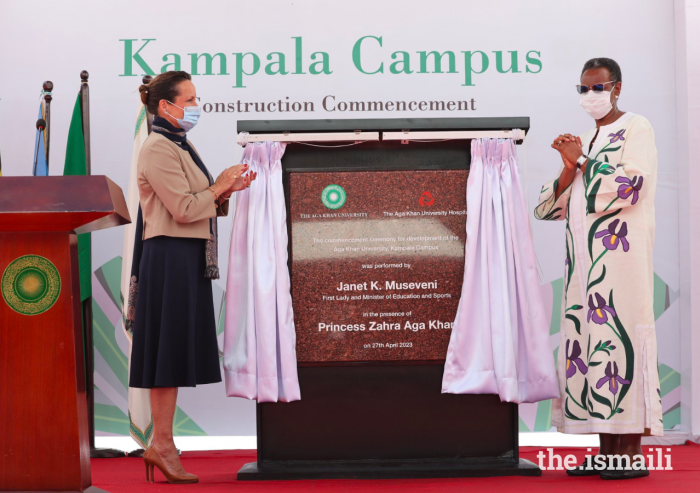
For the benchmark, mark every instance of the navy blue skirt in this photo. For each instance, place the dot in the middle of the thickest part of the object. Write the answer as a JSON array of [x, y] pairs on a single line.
[[175, 342]]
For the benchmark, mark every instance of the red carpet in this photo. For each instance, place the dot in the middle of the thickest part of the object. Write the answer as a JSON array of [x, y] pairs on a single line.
[[217, 472]]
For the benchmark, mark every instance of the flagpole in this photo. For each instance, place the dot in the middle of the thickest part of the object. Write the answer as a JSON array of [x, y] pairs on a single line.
[[48, 87], [149, 118], [87, 303], [100, 453], [149, 124], [85, 105]]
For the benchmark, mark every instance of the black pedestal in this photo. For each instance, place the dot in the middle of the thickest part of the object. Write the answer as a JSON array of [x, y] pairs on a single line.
[[369, 421], [446, 468]]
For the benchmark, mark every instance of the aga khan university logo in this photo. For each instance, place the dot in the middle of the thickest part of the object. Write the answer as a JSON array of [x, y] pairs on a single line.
[[30, 285], [333, 196]]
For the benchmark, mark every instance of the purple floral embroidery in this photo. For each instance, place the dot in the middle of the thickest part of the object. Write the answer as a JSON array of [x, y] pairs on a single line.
[[612, 378], [611, 239], [629, 187], [573, 360], [617, 136], [598, 310]]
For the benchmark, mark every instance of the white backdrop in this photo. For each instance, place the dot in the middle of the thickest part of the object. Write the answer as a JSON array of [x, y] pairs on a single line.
[[44, 40]]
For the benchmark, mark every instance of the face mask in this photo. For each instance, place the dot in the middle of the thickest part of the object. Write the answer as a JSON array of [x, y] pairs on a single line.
[[190, 117], [596, 104]]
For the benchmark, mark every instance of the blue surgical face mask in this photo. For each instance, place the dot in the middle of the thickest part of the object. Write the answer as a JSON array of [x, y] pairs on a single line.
[[190, 117]]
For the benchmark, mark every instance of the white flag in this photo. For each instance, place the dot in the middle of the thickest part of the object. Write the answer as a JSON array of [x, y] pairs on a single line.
[[140, 419]]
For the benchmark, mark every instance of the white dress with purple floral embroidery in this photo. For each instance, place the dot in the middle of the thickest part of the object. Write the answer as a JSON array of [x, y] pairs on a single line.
[[608, 375]]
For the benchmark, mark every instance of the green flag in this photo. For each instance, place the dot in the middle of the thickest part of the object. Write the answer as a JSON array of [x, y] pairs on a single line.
[[76, 165]]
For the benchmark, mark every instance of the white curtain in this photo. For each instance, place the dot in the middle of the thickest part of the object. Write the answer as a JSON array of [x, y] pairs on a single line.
[[259, 338], [500, 339]]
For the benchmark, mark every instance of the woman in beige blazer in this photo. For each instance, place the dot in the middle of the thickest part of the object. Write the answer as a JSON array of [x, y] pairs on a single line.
[[171, 310]]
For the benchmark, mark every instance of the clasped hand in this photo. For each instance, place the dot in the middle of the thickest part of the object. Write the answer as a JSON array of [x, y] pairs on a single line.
[[233, 179], [569, 147]]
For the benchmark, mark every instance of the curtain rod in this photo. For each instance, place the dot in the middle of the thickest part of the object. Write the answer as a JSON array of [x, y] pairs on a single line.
[[408, 135], [359, 136]]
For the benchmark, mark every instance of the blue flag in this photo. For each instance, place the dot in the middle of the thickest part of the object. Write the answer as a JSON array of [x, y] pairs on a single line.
[[40, 165]]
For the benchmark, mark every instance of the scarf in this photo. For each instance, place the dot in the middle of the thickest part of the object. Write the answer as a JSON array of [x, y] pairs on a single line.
[[179, 137]]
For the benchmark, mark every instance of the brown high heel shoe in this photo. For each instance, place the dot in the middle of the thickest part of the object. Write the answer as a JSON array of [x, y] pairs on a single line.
[[152, 460]]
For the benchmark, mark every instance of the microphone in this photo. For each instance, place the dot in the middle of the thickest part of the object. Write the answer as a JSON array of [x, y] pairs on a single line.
[[40, 126]]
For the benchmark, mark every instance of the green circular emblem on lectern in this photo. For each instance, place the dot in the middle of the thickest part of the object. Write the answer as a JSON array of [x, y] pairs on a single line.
[[30, 285], [333, 196]]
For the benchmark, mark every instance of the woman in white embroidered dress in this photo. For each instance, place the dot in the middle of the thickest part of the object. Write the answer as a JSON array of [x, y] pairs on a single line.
[[608, 359]]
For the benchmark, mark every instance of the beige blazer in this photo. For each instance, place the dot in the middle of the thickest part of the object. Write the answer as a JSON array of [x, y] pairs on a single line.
[[173, 192]]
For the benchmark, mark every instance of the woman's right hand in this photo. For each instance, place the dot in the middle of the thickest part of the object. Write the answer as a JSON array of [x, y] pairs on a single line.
[[227, 178]]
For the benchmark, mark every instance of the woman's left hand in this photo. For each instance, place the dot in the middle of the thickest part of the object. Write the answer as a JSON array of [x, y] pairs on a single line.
[[241, 183], [569, 149]]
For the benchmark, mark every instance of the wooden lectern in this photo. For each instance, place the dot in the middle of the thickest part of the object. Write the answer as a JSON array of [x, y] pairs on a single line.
[[44, 443]]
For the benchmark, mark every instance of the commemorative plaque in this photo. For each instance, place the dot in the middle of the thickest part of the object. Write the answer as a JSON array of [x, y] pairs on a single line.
[[377, 263]]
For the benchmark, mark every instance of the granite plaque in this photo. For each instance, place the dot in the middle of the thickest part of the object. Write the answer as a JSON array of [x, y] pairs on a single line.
[[377, 263]]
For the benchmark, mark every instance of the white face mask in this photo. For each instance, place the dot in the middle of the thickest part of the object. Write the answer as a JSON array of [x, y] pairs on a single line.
[[596, 104]]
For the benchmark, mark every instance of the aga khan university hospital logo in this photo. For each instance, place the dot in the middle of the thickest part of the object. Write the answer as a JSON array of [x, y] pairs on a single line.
[[426, 199], [333, 196]]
